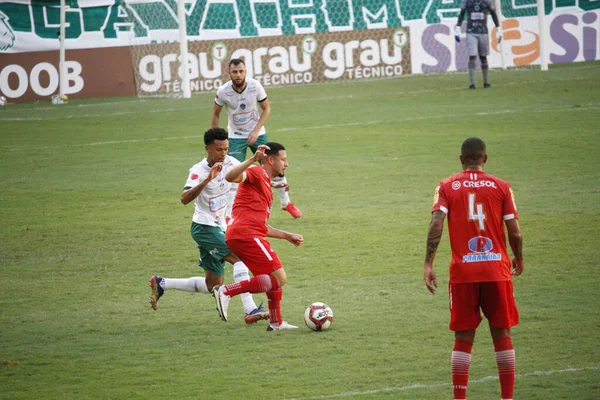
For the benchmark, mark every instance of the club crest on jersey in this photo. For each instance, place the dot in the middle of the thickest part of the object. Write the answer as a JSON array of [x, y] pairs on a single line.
[[243, 106]]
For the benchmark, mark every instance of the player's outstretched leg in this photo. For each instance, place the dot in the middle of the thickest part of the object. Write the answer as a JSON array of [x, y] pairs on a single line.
[[159, 285], [156, 291], [293, 210], [276, 321], [255, 315], [280, 183], [252, 313], [258, 284], [222, 301], [280, 327]]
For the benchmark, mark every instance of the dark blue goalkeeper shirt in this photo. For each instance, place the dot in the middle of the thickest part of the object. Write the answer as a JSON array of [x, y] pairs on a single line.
[[477, 12]]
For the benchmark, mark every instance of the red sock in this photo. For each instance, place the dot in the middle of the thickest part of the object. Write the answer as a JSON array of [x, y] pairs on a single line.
[[505, 359], [257, 284], [461, 362], [274, 297]]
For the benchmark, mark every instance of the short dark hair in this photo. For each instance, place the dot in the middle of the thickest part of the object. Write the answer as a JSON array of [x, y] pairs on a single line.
[[274, 148], [215, 134], [473, 150], [236, 62]]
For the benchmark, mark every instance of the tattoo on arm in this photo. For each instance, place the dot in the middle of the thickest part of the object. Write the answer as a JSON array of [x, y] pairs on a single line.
[[434, 236]]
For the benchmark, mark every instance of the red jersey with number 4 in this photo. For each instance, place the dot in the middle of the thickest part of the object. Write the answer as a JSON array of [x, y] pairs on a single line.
[[477, 204], [252, 206]]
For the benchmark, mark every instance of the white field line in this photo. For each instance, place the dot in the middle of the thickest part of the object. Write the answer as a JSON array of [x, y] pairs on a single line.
[[436, 385], [77, 115], [105, 143], [591, 106], [440, 116], [104, 103], [111, 114]]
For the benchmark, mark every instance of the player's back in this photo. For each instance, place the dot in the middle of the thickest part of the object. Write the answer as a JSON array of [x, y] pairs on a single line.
[[477, 204]]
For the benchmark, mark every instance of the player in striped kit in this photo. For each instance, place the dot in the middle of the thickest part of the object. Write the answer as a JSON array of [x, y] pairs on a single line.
[[478, 206]]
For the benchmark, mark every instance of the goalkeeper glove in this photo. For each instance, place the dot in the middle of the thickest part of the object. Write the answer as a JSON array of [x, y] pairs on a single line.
[[457, 33], [498, 34]]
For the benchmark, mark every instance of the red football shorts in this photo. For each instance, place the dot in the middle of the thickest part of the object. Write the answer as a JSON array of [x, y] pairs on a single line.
[[495, 299], [257, 254]]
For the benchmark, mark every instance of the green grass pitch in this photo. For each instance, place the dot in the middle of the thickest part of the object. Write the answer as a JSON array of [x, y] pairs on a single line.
[[89, 210]]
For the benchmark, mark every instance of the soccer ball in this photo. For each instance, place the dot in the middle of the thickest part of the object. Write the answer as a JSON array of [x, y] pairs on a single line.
[[3, 101], [318, 316], [59, 99]]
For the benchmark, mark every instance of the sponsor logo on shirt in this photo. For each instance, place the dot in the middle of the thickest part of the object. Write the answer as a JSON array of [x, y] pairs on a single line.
[[481, 248], [217, 203], [478, 184], [242, 118], [469, 258], [480, 244]]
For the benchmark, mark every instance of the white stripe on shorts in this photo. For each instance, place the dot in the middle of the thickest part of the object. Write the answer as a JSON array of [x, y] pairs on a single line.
[[257, 240]]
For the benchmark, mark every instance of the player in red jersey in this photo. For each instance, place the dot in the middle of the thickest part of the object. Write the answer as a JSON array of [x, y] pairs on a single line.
[[478, 205], [248, 228]]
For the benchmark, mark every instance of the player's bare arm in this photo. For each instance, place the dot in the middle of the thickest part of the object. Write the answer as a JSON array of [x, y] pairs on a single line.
[[293, 238], [264, 116], [190, 194], [434, 236], [214, 121], [280, 185], [235, 174], [515, 239]]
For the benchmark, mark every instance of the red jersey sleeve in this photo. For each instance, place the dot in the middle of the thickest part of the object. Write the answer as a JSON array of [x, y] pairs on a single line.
[[440, 202], [509, 206]]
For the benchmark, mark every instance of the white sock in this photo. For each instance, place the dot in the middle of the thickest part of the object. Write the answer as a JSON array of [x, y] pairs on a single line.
[[195, 284], [284, 197], [240, 273], [230, 199]]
